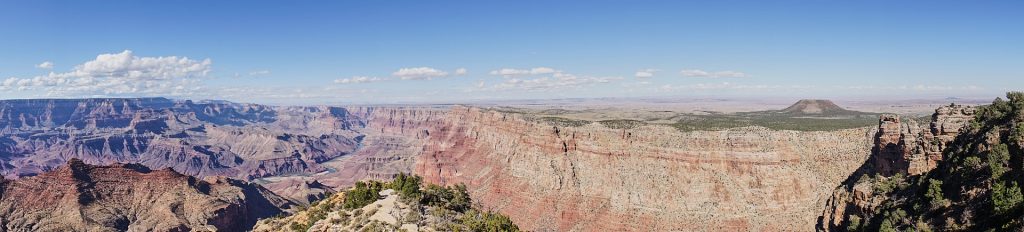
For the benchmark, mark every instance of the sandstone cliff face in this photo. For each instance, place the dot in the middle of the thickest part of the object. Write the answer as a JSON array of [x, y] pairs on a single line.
[[592, 178], [908, 148], [130, 197], [902, 147]]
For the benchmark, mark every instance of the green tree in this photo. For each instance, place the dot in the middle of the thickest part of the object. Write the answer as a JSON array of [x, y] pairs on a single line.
[[934, 194], [460, 199], [407, 186], [892, 220], [362, 194], [1005, 198], [998, 158]]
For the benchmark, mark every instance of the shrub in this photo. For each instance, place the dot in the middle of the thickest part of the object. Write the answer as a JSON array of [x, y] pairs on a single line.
[[487, 221], [295, 226], [454, 198], [460, 199], [853, 223], [363, 194], [412, 217], [886, 185], [435, 195], [922, 226], [972, 162], [892, 220]]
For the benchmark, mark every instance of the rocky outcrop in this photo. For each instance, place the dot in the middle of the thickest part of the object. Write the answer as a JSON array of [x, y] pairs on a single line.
[[908, 148], [902, 148], [300, 191], [131, 197]]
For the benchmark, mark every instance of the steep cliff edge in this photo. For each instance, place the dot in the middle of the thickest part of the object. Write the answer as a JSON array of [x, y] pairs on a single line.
[[961, 174], [122, 197], [595, 178], [908, 148]]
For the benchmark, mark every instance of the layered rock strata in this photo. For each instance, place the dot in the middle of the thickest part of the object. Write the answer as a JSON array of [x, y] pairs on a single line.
[[904, 146], [131, 197], [593, 178], [544, 176], [210, 138]]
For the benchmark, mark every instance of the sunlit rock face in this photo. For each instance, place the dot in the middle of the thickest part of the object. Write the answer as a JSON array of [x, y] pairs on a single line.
[[593, 178], [904, 146]]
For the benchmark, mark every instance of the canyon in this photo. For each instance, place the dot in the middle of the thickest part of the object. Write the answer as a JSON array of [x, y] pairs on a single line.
[[545, 175], [131, 197]]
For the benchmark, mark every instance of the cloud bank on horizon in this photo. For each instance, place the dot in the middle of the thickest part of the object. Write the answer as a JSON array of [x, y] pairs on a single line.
[[398, 52]]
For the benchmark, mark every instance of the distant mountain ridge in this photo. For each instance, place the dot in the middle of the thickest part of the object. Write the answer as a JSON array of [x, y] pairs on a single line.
[[213, 138]]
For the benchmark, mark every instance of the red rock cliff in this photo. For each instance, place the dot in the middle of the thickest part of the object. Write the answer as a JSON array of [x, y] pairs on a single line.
[[592, 178]]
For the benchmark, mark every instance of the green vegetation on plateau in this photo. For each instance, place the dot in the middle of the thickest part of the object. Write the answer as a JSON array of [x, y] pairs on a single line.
[[775, 122], [713, 122]]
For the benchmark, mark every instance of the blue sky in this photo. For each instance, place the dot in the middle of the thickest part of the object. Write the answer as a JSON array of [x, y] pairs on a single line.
[[318, 52]]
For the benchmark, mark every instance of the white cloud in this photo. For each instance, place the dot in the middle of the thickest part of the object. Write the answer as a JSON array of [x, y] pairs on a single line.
[[419, 73], [509, 72], [123, 74], [358, 80], [45, 65], [259, 73], [461, 71], [556, 81], [919, 87], [731, 86], [645, 73], [9, 81], [702, 73]]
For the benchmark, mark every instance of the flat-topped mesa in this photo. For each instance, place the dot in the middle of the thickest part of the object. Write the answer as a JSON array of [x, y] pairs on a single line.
[[903, 146], [815, 107]]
